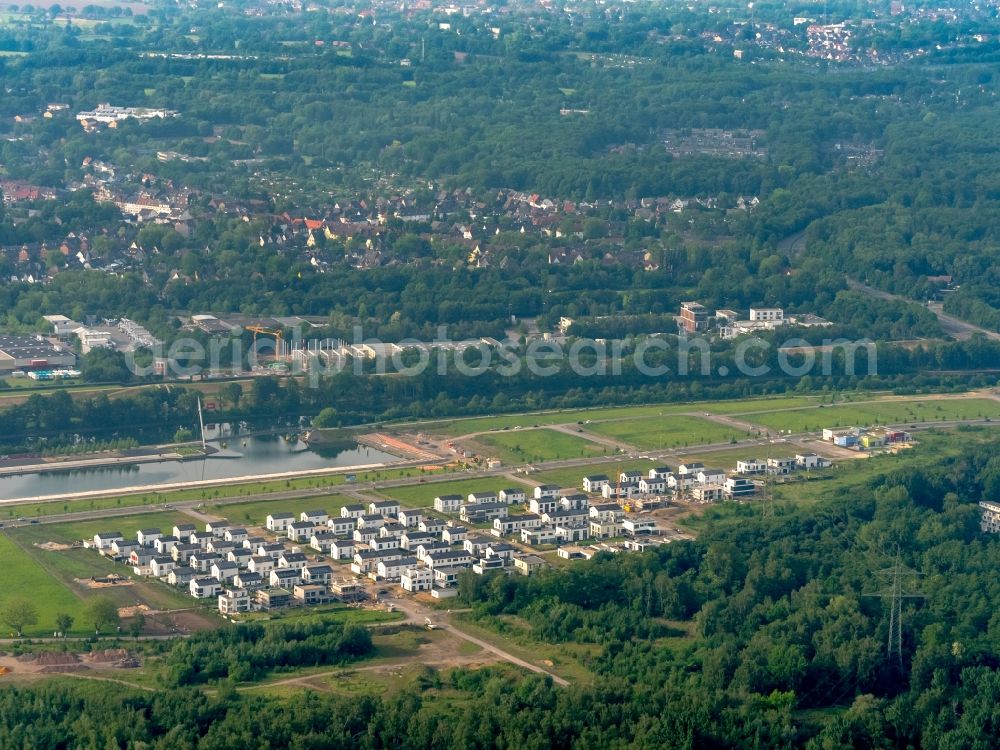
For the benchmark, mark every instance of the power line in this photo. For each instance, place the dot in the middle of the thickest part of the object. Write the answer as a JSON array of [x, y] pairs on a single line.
[[900, 584]]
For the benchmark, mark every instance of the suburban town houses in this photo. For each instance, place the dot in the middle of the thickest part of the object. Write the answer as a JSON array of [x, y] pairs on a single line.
[[314, 557]]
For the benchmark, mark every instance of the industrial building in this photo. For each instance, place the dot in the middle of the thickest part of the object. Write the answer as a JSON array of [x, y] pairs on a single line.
[[32, 353]]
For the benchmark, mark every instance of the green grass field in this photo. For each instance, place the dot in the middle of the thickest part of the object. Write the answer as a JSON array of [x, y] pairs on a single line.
[[48, 577], [256, 512], [528, 446], [570, 416], [206, 495], [422, 495], [74, 531], [659, 433], [879, 412], [26, 579]]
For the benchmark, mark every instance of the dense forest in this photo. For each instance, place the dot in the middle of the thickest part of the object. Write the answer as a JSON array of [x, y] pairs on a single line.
[[765, 632]]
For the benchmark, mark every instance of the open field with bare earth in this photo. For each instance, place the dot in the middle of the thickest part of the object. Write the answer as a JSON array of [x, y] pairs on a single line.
[[866, 414], [667, 432], [534, 446], [57, 579]]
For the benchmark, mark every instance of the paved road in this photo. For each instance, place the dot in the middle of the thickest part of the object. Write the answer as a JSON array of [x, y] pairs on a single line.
[[954, 327]]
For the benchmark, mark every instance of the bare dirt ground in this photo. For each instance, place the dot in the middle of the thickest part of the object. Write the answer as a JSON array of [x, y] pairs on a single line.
[[53, 546], [91, 584]]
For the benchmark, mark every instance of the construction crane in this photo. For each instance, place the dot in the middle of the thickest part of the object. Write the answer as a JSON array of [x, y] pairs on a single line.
[[278, 338]]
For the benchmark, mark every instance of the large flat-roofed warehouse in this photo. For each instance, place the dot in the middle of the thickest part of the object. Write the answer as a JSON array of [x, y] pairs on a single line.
[[32, 353]]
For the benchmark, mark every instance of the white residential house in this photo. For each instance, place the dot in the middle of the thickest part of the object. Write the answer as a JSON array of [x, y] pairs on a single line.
[[512, 496], [249, 580], [182, 552], [595, 482], [383, 508], [217, 528], [273, 550], [476, 545], [563, 515], [736, 487], [352, 511], [574, 501], [690, 468], [412, 539], [363, 536], [708, 493], [659, 472], [767, 314], [234, 601], [315, 517], [627, 491], [300, 531], [123, 547], [278, 522], [321, 540], [224, 570], [711, 476], [604, 529], [293, 560], [342, 549], [146, 537], [545, 491], [514, 524], [652, 486], [103, 539], [184, 530], [454, 534], [262, 564], [811, 461], [425, 548], [781, 465], [572, 532], [236, 534], [410, 518], [341, 526], [630, 477], [989, 520], [204, 588], [160, 566], [180, 576], [284, 577], [317, 573], [606, 512], [750, 466], [447, 503], [483, 512], [391, 570], [384, 542], [165, 544], [415, 579], [448, 559], [202, 561], [479, 498], [681, 482], [638, 525], [431, 525], [201, 538], [541, 535], [501, 550], [372, 521], [539, 505], [239, 555]]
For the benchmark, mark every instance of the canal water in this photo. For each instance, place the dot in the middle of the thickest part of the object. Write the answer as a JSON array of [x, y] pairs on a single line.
[[259, 454]]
